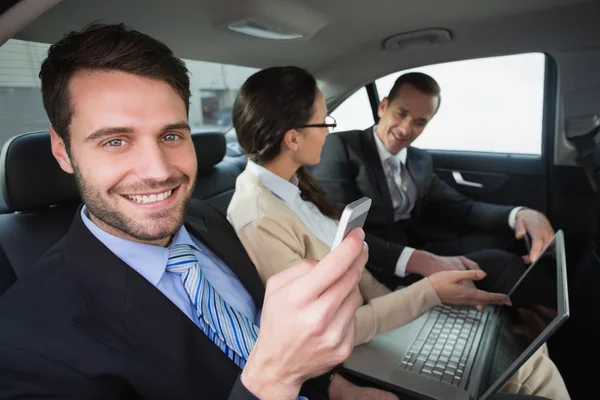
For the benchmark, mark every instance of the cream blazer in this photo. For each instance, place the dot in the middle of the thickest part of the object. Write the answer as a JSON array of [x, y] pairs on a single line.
[[275, 238]]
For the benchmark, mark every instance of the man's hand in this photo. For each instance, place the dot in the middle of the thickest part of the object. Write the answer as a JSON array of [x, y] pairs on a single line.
[[449, 289], [308, 323], [539, 229], [426, 264]]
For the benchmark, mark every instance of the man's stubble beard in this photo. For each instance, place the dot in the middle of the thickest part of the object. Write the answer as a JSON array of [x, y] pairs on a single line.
[[169, 221]]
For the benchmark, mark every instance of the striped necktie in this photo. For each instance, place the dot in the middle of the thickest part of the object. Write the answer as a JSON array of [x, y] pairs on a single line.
[[397, 180], [231, 331]]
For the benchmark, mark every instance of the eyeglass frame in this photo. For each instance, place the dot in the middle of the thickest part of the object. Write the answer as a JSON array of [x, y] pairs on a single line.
[[330, 126]]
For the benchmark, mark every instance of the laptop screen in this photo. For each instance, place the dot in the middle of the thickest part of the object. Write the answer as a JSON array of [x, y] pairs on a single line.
[[535, 306]]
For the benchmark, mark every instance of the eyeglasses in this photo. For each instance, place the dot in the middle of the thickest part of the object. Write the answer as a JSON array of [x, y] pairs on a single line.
[[329, 123]]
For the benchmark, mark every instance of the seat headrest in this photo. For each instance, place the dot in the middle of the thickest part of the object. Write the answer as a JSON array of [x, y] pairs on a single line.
[[210, 148], [30, 177]]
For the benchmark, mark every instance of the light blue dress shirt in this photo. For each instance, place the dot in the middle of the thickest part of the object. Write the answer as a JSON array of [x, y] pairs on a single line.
[[151, 262]]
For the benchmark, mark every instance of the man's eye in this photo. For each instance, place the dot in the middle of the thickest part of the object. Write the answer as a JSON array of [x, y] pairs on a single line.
[[402, 115], [171, 137], [115, 143]]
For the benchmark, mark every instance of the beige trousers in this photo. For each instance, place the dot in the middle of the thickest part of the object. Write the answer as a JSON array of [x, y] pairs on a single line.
[[538, 376]]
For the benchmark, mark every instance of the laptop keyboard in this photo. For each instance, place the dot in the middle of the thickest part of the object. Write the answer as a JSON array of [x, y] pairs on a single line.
[[442, 348]]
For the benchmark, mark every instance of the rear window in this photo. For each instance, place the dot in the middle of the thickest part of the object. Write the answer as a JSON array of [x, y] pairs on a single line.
[[213, 86]]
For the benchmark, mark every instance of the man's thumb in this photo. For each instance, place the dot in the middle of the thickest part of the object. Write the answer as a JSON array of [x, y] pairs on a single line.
[[520, 230]]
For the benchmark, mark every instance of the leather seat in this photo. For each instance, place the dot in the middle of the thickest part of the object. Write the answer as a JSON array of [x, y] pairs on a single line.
[[42, 198], [217, 172]]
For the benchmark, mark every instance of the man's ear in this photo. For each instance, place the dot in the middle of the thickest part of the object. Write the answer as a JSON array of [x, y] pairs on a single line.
[[382, 107], [59, 151], [290, 139]]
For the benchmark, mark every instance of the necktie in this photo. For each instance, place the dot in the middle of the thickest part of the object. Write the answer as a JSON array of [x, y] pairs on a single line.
[[396, 186], [231, 331]]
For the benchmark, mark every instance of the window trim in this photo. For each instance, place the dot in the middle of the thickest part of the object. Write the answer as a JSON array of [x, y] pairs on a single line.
[[373, 99], [548, 108]]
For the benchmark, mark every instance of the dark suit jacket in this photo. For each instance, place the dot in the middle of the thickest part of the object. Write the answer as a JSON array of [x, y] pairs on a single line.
[[83, 324], [350, 168]]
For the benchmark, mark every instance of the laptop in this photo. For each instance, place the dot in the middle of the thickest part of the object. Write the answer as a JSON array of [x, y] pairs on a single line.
[[454, 352]]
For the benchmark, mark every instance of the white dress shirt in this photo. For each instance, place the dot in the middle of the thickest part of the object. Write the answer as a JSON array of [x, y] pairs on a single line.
[[320, 225], [400, 157]]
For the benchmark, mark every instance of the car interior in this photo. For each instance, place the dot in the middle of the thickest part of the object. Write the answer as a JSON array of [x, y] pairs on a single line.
[[526, 131]]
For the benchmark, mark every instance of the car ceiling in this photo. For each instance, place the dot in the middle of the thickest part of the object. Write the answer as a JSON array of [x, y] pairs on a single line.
[[345, 50]]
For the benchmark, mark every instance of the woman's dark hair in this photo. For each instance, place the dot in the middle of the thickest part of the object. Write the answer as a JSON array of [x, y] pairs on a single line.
[[270, 103]]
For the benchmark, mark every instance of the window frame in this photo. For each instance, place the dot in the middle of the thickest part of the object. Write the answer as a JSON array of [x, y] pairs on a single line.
[[549, 104]]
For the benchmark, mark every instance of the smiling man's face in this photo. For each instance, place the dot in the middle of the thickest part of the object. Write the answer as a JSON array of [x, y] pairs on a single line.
[[131, 152], [403, 118]]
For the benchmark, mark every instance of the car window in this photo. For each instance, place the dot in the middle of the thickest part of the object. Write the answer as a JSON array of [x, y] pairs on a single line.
[[488, 105], [354, 112], [213, 86]]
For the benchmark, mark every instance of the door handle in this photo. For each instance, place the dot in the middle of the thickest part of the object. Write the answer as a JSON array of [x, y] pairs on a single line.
[[458, 178]]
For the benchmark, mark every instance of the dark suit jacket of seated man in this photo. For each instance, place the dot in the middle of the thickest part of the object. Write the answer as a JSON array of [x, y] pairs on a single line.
[[380, 163], [100, 329]]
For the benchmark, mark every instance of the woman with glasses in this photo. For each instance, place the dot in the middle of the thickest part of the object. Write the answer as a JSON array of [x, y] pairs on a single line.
[[281, 216], [280, 212]]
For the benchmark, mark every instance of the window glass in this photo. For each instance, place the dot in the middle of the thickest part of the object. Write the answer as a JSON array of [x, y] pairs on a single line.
[[213, 87], [354, 112], [488, 105]]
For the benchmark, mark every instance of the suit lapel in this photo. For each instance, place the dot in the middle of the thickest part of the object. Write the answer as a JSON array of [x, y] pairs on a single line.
[[126, 312], [214, 234], [373, 164]]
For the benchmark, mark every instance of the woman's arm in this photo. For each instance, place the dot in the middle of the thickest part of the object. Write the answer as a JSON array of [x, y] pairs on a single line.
[[273, 247]]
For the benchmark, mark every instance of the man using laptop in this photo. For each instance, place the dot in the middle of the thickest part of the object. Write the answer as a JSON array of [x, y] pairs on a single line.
[[380, 163]]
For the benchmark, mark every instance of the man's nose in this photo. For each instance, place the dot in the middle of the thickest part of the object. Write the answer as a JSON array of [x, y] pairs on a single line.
[[405, 127], [153, 163]]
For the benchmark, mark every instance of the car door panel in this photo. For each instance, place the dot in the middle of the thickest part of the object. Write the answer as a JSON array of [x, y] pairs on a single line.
[[496, 178]]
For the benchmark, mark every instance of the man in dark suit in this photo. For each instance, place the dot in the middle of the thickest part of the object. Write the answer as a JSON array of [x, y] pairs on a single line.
[[145, 298], [380, 163]]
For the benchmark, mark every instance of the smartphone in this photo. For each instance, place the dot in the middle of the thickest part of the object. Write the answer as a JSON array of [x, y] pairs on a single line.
[[354, 216]]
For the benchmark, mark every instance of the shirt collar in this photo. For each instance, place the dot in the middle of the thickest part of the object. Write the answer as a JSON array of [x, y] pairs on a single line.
[[288, 191], [384, 153], [150, 261]]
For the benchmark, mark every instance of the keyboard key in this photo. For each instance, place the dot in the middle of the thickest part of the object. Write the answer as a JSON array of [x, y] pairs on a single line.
[[447, 378], [418, 365]]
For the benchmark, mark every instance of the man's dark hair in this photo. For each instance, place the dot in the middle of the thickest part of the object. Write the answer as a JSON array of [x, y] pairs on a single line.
[[419, 80], [102, 47]]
